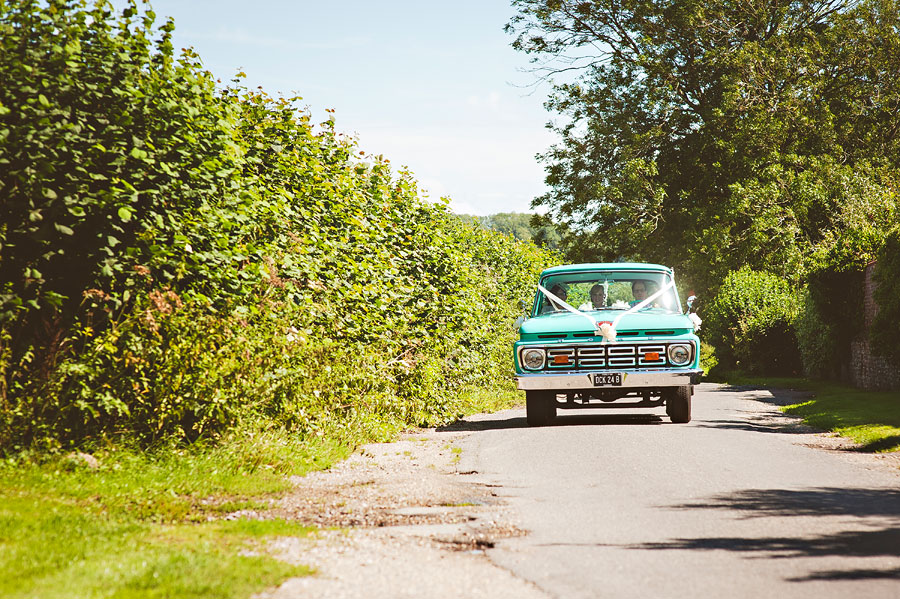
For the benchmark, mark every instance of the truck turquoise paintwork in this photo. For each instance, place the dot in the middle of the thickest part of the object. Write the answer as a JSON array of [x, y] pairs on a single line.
[[607, 334]]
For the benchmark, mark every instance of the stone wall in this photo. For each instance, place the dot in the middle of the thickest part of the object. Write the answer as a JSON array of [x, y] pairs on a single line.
[[867, 370]]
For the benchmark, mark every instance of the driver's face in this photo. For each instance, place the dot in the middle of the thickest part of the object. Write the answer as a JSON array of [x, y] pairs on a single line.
[[640, 291], [598, 297]]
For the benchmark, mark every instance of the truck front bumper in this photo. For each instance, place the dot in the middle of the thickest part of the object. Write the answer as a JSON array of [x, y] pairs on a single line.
[[548, 381]]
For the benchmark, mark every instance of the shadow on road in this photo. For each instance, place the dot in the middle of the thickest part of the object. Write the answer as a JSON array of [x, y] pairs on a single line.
[[767, 420], [572, 418], [497, 422], [866, 543], [864, 540], [493, 423], [875, 542], [777, 423], [770, 395], [859, 574], [822, 501]]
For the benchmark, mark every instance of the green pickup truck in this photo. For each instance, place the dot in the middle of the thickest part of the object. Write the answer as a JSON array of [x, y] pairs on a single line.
[[603, 333]]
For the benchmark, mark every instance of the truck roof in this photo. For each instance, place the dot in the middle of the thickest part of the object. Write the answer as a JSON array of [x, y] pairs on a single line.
[[614, 266]]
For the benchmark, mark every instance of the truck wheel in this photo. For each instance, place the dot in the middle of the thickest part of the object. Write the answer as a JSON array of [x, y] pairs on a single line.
[[678, 403], [540, 407]]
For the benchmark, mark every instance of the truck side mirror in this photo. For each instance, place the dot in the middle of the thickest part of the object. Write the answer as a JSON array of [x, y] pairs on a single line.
[[524, 315]]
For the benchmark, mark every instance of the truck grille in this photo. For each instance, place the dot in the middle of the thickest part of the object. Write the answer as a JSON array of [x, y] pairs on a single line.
[[587, 357]]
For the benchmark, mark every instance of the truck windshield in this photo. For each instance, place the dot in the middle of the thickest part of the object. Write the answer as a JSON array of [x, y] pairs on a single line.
[[605, 290]]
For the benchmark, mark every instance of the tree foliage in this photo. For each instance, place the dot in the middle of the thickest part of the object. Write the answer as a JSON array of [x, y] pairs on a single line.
[[711, 135]]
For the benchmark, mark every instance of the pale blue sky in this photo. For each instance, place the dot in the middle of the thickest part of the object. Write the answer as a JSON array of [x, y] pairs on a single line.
[[433, 86]]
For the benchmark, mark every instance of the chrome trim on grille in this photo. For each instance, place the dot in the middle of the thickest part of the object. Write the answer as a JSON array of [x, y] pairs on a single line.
[[596, 356], [621, 362], [591, 355], [620, 350], [660, 350], [568, 352]]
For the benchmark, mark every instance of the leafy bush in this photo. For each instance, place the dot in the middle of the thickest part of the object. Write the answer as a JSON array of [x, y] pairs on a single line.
[[176, 258], [115, 157], [816, 340], [885, 328], [708, 360], [749, 322]]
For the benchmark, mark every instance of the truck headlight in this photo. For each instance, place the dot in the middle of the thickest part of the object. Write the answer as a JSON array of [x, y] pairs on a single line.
[[680, 354], [533, 359]]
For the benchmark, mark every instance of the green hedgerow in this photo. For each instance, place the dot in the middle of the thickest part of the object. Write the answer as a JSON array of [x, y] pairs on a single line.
[[175, 257], [750, 323], [885, 328]]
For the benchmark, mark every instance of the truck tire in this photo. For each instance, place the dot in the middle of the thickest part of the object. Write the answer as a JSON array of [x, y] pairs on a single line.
[[540, 407], [678, 403]]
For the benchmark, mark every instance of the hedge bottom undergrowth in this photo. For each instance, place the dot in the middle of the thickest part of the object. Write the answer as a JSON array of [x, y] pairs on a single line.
[[140, 524]]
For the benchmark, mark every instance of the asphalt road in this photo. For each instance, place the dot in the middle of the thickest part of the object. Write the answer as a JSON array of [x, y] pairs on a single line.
[[737, 503]]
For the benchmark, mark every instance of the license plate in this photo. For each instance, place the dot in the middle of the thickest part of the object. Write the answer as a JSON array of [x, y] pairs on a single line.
[[612, 379]]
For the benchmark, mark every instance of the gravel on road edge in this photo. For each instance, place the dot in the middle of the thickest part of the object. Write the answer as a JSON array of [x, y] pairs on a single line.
[[398, 520]]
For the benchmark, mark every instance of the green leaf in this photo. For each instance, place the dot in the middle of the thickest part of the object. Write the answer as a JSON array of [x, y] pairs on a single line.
[[63, 229], [44, 101], [125, 213]]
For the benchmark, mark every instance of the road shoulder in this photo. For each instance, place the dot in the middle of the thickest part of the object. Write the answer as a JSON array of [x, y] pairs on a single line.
[[399, 520]]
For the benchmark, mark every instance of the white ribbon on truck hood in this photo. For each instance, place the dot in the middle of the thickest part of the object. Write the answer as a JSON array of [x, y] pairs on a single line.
[[553, 298], [606, 329]]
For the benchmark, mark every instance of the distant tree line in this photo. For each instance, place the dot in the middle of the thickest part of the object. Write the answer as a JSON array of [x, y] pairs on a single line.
[[523, 226]]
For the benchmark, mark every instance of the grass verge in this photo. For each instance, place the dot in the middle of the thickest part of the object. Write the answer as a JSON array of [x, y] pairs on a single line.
[[147, 524], [869, 418]]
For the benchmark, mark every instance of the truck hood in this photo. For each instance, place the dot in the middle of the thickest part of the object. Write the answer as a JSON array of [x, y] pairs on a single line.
[[646, 322]]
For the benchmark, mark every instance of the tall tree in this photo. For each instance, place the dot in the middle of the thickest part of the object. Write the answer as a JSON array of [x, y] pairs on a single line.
[[710, 134]]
